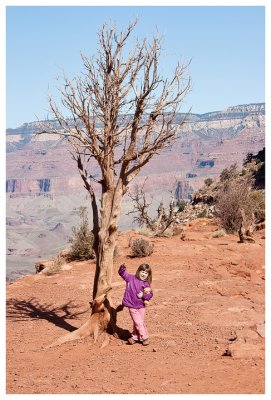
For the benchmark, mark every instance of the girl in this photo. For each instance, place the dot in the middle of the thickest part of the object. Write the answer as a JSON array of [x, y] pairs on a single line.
[[137, 294]]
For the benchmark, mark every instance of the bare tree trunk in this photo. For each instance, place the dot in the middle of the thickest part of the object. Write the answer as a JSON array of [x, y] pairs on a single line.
[[107, 237], [110, 213]]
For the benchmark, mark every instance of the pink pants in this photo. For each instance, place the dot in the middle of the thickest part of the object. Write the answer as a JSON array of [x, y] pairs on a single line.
[[139, 329]]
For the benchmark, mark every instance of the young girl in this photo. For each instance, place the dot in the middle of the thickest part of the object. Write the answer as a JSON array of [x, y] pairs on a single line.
[[137, 294]]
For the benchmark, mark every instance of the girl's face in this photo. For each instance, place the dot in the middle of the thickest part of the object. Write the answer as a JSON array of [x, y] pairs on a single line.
[[143, 275]]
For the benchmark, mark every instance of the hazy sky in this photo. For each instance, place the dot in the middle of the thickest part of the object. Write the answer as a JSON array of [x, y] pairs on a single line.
[[226, 45]]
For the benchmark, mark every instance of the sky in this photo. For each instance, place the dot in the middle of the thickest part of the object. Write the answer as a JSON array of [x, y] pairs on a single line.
[[226, 46]]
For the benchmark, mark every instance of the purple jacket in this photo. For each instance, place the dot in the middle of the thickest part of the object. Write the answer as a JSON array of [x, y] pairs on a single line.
[[133, 287]]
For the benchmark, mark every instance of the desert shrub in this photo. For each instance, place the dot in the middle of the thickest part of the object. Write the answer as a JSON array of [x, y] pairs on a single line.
[[208, 182], [219, 233], [83, 238], [256, 200], [141, 248], [55, 267], [203, 213], [233, 195], [248, 159], [181, 204], [145, 231], [228, 173]]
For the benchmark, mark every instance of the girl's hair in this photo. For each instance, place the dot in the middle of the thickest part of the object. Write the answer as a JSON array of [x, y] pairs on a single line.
[[147, 268]]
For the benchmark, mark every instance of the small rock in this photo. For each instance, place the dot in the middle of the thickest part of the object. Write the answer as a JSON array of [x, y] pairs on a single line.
[[260, 330], [227, 353], [241, 349]]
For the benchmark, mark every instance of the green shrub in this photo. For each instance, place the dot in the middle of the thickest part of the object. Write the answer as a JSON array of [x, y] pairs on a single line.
[[83, 238], [208, 182], [248, 159], [181, 204], [228, 173], [203, 214]]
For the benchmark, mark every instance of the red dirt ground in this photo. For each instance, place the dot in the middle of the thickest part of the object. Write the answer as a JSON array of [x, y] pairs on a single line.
[[206, 323]]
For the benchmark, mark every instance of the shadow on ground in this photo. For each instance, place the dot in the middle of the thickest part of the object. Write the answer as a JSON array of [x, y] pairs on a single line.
[[21, 310]]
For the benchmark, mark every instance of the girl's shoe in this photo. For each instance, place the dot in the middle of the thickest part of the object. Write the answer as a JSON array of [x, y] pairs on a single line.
[[132, 341], [146, 342]]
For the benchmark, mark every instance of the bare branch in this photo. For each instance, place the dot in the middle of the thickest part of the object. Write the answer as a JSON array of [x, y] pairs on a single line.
[[140, 207], [122, 112], [164, 219]]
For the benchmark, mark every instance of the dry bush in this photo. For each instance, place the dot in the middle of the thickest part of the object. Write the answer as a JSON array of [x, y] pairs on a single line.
[[202, 214], [219, 233], [54, 267], [141, 248], [145, 231], [83, 239], [229, 173], [233, 196], [257, 204]]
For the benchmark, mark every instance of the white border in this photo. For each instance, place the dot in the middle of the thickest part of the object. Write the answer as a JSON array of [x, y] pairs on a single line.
[[3, 5]]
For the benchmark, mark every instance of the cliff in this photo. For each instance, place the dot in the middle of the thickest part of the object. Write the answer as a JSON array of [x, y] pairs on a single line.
[[207, 143], [44, 187]]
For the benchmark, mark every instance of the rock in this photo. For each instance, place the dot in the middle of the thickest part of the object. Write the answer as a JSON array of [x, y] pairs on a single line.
[[41, 265], [245, 350], [261, 330]]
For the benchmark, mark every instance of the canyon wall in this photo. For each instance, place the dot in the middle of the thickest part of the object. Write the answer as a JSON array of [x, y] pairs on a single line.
[[45, 191], [207, 144]]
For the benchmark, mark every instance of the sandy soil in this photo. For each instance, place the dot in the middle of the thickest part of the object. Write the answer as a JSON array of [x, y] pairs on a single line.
[[206, 323]]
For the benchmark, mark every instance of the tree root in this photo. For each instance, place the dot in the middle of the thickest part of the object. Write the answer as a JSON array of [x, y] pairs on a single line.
[[97, 323], [85, 330], [246, 239], [102, 319]]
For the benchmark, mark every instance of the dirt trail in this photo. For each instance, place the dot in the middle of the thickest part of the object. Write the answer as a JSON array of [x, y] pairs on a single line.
[[206, 323]]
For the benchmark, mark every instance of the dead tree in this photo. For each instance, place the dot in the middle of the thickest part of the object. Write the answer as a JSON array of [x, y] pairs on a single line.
[[121, 114], [141, 208]]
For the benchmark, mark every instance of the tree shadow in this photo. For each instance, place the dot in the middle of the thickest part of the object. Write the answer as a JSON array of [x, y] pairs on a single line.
[[22, 310]]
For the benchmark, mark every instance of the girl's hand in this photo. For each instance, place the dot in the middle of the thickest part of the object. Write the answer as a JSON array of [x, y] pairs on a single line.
[[146, 303], [140, 295]]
